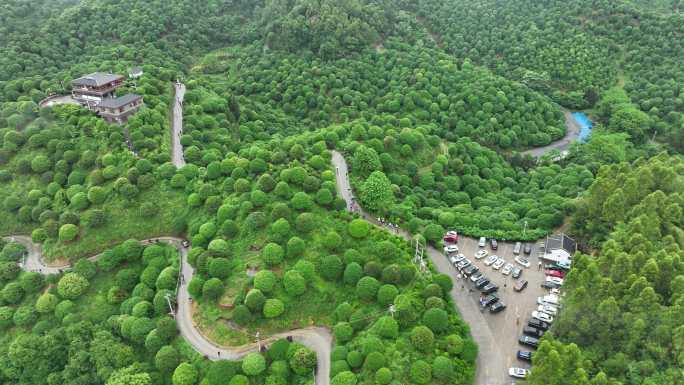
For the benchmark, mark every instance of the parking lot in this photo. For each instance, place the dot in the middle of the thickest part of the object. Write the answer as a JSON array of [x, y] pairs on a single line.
[[506, 326]]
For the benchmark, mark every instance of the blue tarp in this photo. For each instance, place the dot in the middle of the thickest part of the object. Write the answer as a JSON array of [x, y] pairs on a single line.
[[585, 126]]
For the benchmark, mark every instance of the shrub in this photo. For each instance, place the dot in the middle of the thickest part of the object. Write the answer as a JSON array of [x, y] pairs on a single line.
[[306, 268], [444, 281], [280, 230], [355, 359], [383, 376], [454, 344], [185, 374], [31, 282], [386, 294], [219, 267], [46, 303], [238, 379], [367, 288], [219, 246], [294, 283], [265, 281], [212, 289], [344, 378], [358, 228], [339, 353], [241, 315], [12, 293], [272, 254], [352, 273], [422, 338], [255, 300], [166, 359], [6, 315], [343, 311], [97, 195], [432, 290], [68, 232], [421, 372], [25, 315], [343, 332], [305, 222], [195, 286], [72, 285], [301, 201], [295, 247], [436, 319], [442, 368], [332, 241], [273, 308], [254, 364], [220, 371], [303, 361], [387, 327], [331, 267], [434, 302], [374, 361]]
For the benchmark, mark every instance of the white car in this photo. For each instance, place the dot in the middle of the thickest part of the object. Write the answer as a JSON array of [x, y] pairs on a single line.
[[481, 254], [451, 249], [554, 291], [507, 269], [483, 242], [499, 262], [542, 316], [548, 309], [522, 261], [549, 300], [518, 372], [491, 259], [453, 260], [555, 280]]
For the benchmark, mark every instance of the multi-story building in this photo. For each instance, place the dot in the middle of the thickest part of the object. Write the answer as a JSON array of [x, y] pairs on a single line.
[[91, 89], [117, 110]]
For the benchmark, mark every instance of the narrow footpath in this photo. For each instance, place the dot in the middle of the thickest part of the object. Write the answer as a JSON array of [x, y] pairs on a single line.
[[490, 359]]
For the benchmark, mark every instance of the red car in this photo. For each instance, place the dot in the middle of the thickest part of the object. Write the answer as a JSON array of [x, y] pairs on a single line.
[[555, 273], [451, 237]]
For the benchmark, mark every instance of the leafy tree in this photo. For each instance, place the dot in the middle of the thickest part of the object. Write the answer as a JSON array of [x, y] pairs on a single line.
[[68, 232], [273, 308], [72, 285], [294, 283], [185, 374], [367, 288], [421, 372], [265, 281], [166, 359], [272, 254], [436, 319], [254, 364], [212, 289], [376, 192], [331, 267]]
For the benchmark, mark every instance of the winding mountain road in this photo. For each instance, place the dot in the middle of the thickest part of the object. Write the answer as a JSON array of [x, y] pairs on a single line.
[[571, 134], [490, 359], [177, 125], [316, 338]]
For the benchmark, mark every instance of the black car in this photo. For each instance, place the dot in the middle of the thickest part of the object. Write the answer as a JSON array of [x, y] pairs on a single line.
[[535, 323], [527, 249], [470, 270], [497, 307], [489, 300], [529, 341], [489, 288], [494, 244], [476, 277], [524, 355], [482, 282], [534, 332], [520, 286], [550, 285]]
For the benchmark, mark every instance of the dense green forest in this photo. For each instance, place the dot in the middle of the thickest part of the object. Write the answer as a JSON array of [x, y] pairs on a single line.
[[433, 104]]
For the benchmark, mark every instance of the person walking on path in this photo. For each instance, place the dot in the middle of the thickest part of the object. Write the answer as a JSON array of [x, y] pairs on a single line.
[[539, 265]]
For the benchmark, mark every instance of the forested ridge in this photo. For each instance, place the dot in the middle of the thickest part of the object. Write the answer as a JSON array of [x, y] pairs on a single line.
[[432, 103]]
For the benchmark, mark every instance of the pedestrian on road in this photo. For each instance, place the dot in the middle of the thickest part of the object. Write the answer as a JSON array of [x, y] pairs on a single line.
[[337, 169], [539, 265], [219, 353]]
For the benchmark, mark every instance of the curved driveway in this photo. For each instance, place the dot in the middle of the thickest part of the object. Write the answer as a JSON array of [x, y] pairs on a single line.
[[571, 134], [316, 338], [490, 359]]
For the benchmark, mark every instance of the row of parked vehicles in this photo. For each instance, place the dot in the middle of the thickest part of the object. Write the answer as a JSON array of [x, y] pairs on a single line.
[[480, 281], [540, 321]]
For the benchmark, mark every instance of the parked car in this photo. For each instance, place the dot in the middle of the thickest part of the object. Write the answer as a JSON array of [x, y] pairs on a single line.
[[463, 264], [534, 332], [481, 254], [476, 277], [556, 280], [542, 316], [452, 259], [524, 355], [555, 273], [517, 248], [491, 259], [499, 262], [185, 243], [507, 269], [497, 307], [489, 288], [470, 270], [550, 299], [517, 272], [535, 323], [529, 341], [548, 309], [483, 242], [555, 291], [482, 282], [493, 244], [520, 285], [451, 249], [527, 249], [522, 261], [488, 300], [450, 237], [549, 285], [460, 258], [563, 265], [518, 372]]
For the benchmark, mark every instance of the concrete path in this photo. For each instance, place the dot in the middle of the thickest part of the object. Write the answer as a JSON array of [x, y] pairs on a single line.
[[572, 133], [317, 339], [490, 360], [177, 126], [57, 99]]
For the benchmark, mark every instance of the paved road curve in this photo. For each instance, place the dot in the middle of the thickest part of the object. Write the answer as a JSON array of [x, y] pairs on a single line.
[[316, 338], [490, 360], [177, 126], [571, 134]]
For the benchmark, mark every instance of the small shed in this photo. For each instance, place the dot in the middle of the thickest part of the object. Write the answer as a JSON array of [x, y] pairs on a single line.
[[135, 72]]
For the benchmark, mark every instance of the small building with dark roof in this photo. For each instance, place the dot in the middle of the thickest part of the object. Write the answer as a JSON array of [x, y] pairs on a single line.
[[118, 109], [92, 88]]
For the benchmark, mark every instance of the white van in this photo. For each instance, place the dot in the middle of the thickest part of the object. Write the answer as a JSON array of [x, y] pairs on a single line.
[[516, 249], [483, 242]]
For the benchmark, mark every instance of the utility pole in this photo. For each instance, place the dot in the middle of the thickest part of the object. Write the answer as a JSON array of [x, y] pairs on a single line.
[[258, 341], [392, 310], [168, 300], [524, 229]]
